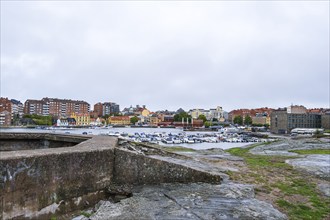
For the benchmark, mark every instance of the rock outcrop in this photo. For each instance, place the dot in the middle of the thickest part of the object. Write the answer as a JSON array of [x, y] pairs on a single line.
[[189, 201]]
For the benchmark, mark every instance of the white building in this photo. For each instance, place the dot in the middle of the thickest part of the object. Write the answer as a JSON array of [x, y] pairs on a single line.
[[217, 113]]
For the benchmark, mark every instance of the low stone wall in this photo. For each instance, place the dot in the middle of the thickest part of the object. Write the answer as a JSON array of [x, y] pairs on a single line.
[[37, 183], [137, 169], [23, 141]]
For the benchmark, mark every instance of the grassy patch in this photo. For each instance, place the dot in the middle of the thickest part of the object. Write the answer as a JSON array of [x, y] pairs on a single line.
[[301, 211], [283, 203], [312, 151], [295, 193], [179, 149], [86, 214], [240, 152], [259, 160], [296, 187]]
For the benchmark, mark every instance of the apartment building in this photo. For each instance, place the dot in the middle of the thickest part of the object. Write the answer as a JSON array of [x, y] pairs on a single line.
[[5, 112], [17, 108], [56, 107], [98, 110], [32, 106], [109, 108], [106, 108], [5, 118], [5, 105]]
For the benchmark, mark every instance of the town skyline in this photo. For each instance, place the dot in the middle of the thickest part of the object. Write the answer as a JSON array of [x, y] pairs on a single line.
[[167, 55], [66, 112], [122, 107]]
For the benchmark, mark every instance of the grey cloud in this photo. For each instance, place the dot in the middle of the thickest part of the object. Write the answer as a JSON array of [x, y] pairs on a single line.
[[167, 54]]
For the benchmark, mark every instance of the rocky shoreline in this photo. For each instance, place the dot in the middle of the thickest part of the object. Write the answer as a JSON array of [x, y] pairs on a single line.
[[189, 201], [226, 200]]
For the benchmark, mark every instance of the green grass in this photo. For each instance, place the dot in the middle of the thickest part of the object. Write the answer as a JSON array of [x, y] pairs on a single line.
[[240, 152], [283, 203], [259, 160], [86, 214], [312, 151], [179, 149], [296, 187], [302, 211], [270, 173]]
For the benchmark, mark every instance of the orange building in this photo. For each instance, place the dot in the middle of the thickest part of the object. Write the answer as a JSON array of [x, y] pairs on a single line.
[[119, 120]]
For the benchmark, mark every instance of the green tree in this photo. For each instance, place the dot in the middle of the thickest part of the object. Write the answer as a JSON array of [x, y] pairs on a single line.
[[202, 117], [178, 117], [207, 124], [106, 116], [238, 120], [134, 119], [117, 114], [248, 120], [40, 120]]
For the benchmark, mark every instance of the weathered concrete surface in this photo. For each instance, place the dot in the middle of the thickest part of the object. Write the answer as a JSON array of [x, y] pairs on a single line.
[[23, 141], [136, 169], [318, 165], [139, 164], [37, 183], [189, 201]]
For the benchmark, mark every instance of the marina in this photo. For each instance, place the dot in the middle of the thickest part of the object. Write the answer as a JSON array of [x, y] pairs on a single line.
[[223, 139]]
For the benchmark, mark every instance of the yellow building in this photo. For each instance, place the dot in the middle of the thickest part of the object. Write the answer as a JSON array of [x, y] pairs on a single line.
[[195, 113], [119, 120], [154, 120], [261, 120], [81, 119], [145, 112]]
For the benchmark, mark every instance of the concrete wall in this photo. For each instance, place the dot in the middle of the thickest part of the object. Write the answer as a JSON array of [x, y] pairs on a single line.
[[14, 145], [22, 141], [137, 169], [36, 183]]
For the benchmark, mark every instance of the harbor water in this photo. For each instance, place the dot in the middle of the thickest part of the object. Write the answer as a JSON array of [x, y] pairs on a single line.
[[129, 130]]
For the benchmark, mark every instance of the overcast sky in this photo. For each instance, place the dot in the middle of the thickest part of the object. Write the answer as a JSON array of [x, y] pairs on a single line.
[[167, 54]]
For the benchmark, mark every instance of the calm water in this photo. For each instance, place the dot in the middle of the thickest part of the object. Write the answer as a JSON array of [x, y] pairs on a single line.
[[100, 131]]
